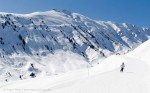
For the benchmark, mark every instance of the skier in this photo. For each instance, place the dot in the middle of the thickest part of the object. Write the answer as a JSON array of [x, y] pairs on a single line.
[[122, 67]]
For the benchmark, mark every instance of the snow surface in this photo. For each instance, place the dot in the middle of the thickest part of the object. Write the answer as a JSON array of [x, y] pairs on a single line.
[[103, 78], [142, 52], [52, 64]]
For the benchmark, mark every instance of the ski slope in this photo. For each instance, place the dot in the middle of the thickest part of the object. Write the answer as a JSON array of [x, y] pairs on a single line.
[[142, 52], [103, 78]]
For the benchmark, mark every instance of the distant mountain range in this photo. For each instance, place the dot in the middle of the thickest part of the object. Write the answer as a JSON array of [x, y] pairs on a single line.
[[41, 34]]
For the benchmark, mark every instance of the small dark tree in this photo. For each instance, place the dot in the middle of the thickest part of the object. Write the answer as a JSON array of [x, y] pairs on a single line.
[[91, 46], [32, 75], [32, 65], [20, 76]]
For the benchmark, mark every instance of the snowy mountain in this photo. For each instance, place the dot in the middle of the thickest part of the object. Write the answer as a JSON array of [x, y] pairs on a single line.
[[42, 39], [103, 78]]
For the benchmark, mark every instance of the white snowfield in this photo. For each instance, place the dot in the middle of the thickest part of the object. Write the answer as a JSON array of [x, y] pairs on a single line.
[[103, 78], [142, 52]]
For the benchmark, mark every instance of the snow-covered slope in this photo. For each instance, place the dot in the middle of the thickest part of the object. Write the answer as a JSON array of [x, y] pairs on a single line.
[[142, 52], [103, 78], [41, 38]]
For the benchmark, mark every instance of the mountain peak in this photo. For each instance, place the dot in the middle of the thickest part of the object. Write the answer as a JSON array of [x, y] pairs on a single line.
[[37, 35]]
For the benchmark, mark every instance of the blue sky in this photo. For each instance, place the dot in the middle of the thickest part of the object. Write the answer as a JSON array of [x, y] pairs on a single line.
[[130, 11]]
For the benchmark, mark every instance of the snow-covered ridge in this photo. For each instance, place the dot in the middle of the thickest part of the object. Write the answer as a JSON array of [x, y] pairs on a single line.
[[43, 34], [66, 30]]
